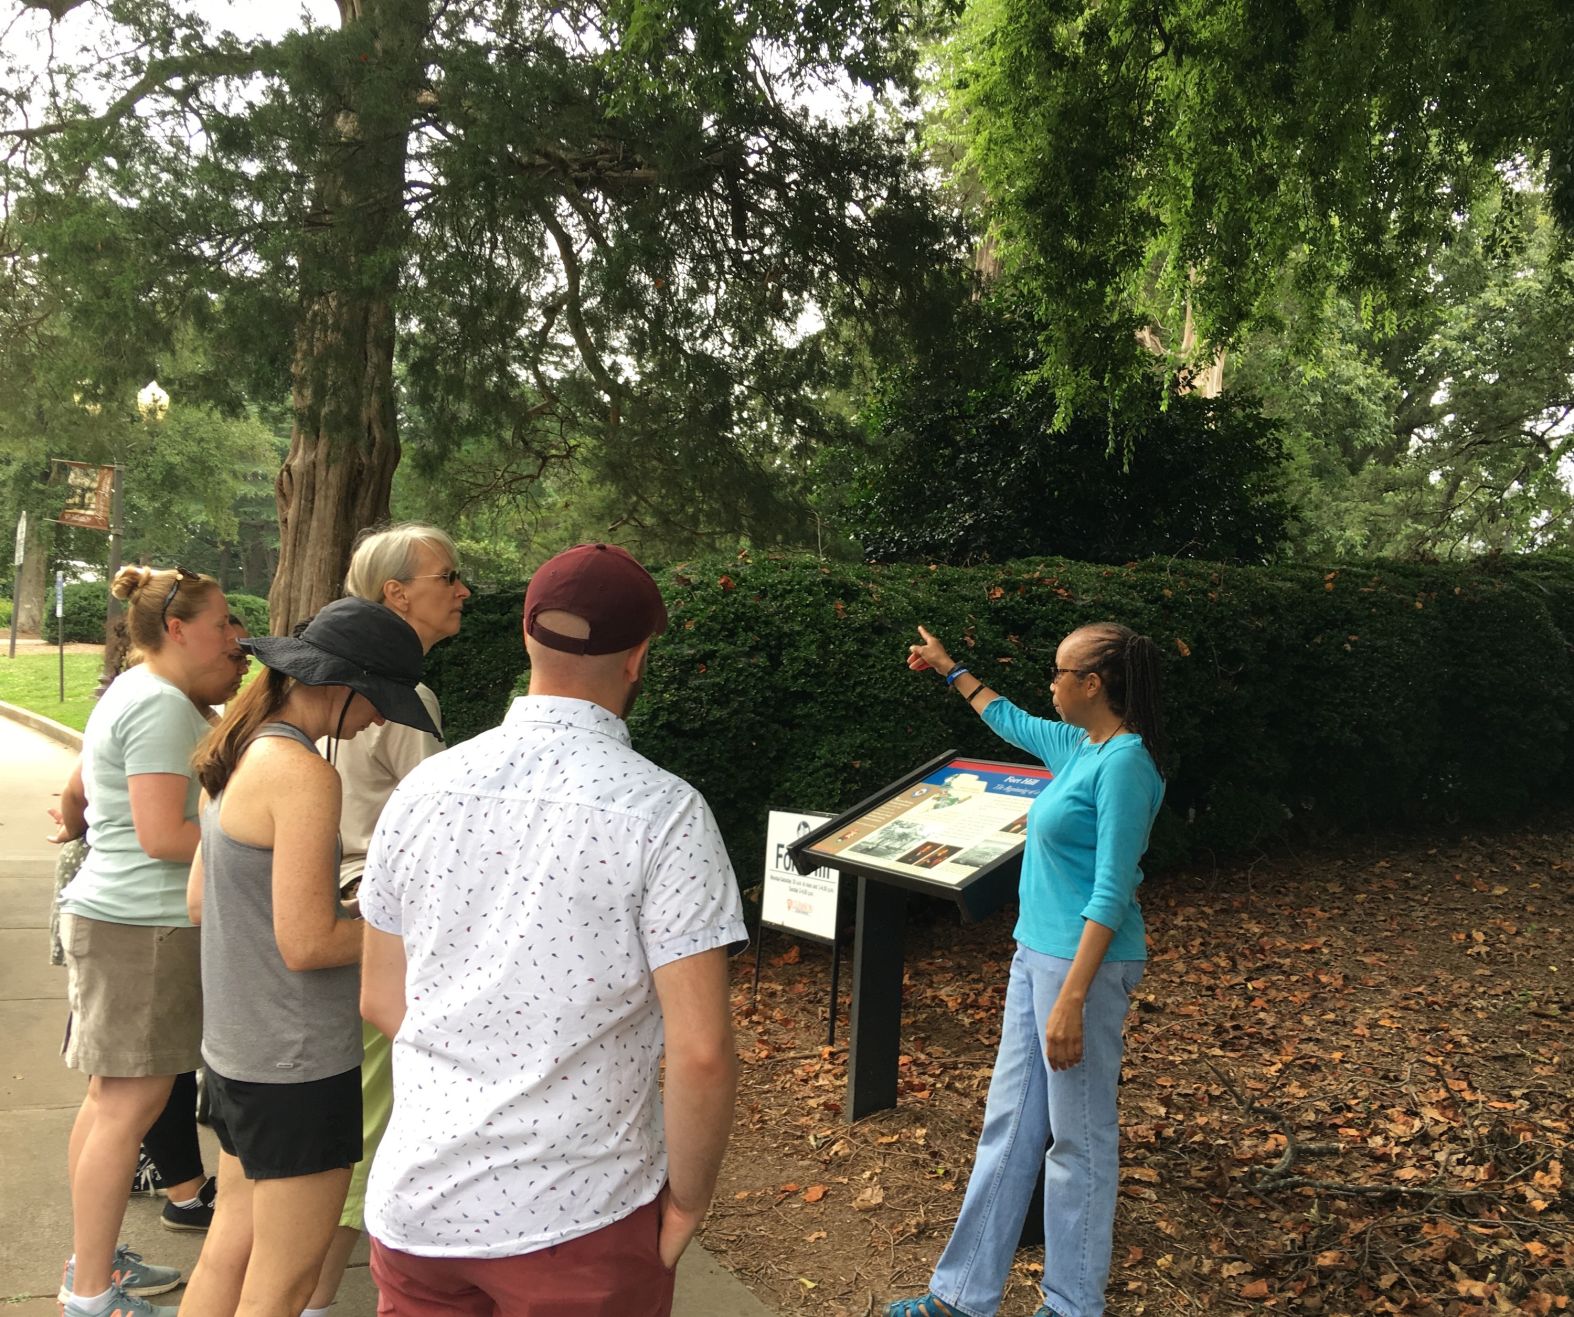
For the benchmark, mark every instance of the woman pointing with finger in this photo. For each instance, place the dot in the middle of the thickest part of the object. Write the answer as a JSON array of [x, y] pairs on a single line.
[[1081, 947]]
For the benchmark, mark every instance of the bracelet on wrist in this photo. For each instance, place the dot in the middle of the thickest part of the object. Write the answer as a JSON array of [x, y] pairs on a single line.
[[957, 670], [982, 685]]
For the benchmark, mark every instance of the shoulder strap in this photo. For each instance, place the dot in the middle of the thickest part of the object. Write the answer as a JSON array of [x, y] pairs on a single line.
[[284, 731]]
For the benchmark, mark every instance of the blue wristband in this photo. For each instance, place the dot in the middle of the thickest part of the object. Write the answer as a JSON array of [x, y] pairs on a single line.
[[956, 672]]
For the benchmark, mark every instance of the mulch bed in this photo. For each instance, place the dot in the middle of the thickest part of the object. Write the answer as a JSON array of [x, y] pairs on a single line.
[[1347, 1090]]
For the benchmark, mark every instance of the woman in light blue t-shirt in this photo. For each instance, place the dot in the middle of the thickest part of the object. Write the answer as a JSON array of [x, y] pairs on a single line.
[[134, 985], [1081, 946]]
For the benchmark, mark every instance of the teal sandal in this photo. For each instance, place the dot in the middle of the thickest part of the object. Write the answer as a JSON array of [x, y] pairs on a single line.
[[927, 1306]]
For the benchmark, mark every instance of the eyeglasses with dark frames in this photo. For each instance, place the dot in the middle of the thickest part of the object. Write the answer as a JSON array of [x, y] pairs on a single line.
[[451, 577], [181, 574], [1055, 674]]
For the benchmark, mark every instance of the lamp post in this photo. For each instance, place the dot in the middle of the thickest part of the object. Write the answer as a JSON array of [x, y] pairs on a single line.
[[152, 406]]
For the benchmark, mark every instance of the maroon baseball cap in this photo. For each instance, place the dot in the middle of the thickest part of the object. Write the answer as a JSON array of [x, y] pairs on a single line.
[[605, 586]]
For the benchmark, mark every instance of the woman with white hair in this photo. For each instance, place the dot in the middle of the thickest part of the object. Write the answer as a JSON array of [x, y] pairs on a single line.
[[411, 569]]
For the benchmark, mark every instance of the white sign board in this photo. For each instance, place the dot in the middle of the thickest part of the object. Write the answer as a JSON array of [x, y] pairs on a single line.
[[60, 594], [794, 902], [21, 539]]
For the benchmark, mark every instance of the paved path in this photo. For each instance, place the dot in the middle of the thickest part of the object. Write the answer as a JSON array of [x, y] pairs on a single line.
[[39, 1096]]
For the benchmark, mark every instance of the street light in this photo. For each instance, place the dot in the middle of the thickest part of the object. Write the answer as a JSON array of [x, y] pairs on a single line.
[[152, 401]]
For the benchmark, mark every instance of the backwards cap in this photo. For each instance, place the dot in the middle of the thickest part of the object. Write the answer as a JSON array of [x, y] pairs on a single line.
[[607, 588]]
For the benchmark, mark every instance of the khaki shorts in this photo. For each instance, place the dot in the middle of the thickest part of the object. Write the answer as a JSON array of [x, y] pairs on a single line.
[[136, 998]]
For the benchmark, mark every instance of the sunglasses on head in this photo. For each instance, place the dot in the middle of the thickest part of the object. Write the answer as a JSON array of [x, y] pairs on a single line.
[[181, 574]]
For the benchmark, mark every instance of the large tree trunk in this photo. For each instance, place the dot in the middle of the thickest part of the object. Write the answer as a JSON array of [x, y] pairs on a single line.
[[257, 561], [343, 452], [344, 443], [33, 588]]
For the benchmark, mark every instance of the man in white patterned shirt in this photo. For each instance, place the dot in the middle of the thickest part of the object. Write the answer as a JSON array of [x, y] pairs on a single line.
[[548, 913]]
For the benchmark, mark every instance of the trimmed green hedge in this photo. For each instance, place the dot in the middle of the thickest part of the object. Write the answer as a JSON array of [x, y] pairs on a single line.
[[84, 605], [474, 672], [251, 610], [86, 602], [1299, 699]]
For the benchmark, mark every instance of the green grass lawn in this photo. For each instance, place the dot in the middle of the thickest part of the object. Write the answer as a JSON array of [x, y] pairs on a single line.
[[33, 681]]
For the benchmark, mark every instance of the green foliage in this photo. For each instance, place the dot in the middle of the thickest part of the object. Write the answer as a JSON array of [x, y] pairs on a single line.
[[191, 478], [1448, 435], [964, 463], [506, 517], [474, 672], [5, 612], [251, 610], [1165, 164], [600, 235], [84, 605], [1300, 700]]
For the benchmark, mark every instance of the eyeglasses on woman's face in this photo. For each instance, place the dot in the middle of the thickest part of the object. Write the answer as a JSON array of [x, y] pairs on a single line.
[[450, 578], [1056, 673], [181, 574]]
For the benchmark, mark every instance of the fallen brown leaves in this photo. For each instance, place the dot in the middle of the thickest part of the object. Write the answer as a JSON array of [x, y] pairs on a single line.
[[1347, 1090]]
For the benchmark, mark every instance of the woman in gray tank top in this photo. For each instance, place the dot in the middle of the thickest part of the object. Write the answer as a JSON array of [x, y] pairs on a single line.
[[281, 1034]]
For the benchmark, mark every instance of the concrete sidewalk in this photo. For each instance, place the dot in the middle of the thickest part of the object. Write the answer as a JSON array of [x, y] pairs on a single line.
[[39, 1096]]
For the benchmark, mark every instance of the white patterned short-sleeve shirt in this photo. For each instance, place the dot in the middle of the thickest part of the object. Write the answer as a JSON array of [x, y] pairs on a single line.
[[537, 874]]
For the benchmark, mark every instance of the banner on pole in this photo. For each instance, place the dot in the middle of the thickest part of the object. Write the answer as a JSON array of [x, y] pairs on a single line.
[[89, 488]]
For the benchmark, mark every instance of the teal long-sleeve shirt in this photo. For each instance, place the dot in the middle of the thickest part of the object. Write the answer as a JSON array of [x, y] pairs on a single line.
[[1086, 834]]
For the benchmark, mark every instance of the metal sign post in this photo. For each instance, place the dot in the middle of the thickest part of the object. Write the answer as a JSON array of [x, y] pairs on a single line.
[[112, 609], [803, 905], [953, 828], [16, 588], [93, 502], [60, 628]]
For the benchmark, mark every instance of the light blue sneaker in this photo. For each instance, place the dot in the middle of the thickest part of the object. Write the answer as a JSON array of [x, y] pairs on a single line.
[[130, 1274], [121, 1304], [926, 1305]]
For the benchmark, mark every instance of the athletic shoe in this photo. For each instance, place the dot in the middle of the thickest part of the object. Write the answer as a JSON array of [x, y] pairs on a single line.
[[926, 1305], [129, 1274], [121, 1304], [146, 1179], [199, 1216]]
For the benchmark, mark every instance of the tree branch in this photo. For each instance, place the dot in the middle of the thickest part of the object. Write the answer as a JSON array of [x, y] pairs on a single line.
[[574, 309], [157, 77]]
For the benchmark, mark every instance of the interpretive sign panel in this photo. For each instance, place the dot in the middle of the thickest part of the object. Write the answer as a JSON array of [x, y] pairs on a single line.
[[959, 820], [800, 903]]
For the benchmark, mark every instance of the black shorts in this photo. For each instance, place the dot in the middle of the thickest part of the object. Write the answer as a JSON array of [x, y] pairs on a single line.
[[277, 1131]]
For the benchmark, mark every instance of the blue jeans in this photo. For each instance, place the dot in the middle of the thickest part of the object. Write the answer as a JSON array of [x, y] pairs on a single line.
[[1028, 1103]]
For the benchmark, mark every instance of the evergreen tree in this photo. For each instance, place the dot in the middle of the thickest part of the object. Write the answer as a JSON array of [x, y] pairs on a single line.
[[608, 222]]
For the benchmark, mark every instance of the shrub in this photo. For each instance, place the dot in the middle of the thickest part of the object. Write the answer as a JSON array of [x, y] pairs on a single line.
[[5, 612], [86, 601], [84, 606], [474, 672], [967, 460], [251, 610], [1299, 698]]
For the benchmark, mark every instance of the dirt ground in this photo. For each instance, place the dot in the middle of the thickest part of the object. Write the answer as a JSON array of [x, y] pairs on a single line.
[[1347, 1090]]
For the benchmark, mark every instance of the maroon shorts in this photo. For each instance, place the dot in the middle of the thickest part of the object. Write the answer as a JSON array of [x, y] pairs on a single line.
[[612, 1272]]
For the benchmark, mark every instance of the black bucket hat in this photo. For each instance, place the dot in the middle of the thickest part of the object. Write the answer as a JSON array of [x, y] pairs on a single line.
[[359, 644]]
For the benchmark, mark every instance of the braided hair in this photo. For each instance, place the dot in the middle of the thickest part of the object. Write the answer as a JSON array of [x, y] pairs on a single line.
[[1130, 669]]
